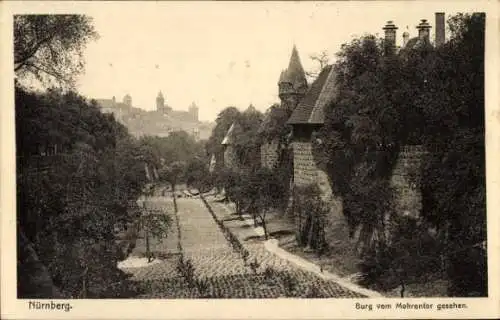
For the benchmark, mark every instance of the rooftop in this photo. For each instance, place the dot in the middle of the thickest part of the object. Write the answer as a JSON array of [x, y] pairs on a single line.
[[322, 91], [230, 135], [294, 74]]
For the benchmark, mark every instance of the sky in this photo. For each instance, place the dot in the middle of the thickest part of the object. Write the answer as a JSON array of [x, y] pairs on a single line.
[[222, 54]]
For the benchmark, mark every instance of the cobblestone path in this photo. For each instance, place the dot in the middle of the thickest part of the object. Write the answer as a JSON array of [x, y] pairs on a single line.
[[215, 260]]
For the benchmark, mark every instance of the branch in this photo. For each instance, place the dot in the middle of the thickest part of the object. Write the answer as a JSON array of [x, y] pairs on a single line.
[[23, 61], [51, 73]]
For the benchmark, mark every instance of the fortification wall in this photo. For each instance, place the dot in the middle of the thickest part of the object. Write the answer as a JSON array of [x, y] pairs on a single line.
[[304, 167], [406, 181], [306, 172]]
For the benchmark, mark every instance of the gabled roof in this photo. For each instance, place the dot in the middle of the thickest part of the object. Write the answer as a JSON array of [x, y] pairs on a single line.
[[310, 108]]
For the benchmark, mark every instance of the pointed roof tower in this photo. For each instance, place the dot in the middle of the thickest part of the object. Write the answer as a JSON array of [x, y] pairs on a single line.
[[295, 74], [295, 66]]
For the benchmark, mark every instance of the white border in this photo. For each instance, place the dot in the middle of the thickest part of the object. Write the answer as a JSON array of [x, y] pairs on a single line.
[[235, 309]]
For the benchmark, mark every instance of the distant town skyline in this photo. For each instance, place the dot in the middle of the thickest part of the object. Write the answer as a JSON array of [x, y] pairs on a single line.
[[222, 54]]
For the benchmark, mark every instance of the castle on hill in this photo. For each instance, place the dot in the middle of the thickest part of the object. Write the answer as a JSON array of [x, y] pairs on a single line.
[[159, 122]]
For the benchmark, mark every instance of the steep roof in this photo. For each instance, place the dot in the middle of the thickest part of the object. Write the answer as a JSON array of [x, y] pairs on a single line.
[[417, 43], [294, 74], [230, 135], [322, 91]]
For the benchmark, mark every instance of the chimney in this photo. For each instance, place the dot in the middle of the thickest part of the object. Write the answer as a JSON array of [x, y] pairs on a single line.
[[423, 29], [390, 37], [440, 27], [406, 37]]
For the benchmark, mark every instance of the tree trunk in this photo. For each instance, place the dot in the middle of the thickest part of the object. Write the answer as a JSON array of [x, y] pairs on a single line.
[[148, 250], [264, 226], [175, 197], [310, 236], [298, 234], [146, 229]]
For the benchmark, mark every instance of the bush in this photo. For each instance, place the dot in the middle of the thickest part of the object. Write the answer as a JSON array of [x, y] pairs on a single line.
[[75, 192], [310, 216], [411, 257], [186, 270]]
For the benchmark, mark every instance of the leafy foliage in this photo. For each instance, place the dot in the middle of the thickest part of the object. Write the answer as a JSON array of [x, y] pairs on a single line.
[[264, 190], [172, 172], [50, 47], [222, 124], [310, 216], [246, 144], [359, 143], [454, 181], [78, 171], [177, 146], [197, 175], [274, 125], [427, 96]]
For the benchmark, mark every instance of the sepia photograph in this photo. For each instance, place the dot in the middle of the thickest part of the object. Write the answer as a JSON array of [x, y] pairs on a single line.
[[190, 151]]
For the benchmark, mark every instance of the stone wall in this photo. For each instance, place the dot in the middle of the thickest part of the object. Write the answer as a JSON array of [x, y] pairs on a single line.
[[305, 172], [269, 154], [406, 181], [304, 167]]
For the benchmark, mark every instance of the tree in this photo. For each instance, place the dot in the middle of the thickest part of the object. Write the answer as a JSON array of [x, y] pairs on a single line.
[[310, 211], [76, 173], [246, 143], [173, 173], [197, 174], [263, 190], [156, 224], [454, 179], [50, 47], [385, 101], [222, 124], [233, 182], [274, 125], [359, 142]]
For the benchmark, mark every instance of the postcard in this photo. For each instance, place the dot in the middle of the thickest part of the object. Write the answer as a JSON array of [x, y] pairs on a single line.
[[236, 160]]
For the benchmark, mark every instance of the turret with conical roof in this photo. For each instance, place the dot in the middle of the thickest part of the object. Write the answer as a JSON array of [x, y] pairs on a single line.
[[292, 82]]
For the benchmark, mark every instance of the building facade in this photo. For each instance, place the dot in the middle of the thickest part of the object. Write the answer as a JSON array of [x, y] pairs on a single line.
[[159, 122]]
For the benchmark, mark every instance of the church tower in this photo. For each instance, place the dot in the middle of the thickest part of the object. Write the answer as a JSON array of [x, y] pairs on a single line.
[[160, 102], [193, 111], [127, 100], [292, 82]]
